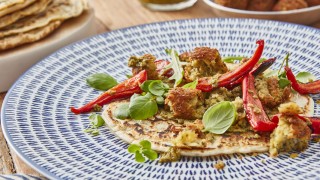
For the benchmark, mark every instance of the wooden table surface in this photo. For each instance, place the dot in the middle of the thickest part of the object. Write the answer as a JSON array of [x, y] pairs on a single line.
[[110, 15]]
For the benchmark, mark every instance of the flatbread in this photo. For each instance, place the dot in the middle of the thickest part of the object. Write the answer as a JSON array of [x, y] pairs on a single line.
[[33, 9], [7, 3], [159, 133], [58, 10], [28, 37], [15, 7]]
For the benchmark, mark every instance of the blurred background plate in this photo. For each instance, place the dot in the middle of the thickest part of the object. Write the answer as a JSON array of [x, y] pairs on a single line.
[[304, 16], [15, 61]]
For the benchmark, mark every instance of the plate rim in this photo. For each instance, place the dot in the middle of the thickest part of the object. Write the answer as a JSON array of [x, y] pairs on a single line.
[[39, 168]]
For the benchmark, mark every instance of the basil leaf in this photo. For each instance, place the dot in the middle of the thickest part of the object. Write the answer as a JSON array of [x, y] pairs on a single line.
[[145, 86], [88, 130], [282, 75], [176, 65], [139, 157], [98, 121], [95, 132], [232, 59], [157, 88], [305, 77], [150, 154], [219, 117], [283, 82], [92, 116], [191, 85], [160, 100], [134, 96], [122, 111], [133, 148], [271, 73], [145, 144], [101, 81], [143, 107]]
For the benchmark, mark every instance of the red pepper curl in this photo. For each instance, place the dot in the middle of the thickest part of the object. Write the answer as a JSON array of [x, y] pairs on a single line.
[[120, 91], [308, 88], [243, 69]]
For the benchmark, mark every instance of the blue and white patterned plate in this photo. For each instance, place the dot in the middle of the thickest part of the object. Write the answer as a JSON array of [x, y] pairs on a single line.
[[38, 124]]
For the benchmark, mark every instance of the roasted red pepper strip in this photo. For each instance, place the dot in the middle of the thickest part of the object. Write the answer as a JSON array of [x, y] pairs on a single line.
[[161, 64], [122, 90], [243, 69], [309, 88], [255, 72], [315, 123], [205, 85], [255, 113], [315, 126]]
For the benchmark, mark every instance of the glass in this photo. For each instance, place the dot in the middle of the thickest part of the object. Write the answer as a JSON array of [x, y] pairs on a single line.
[[167, 5]]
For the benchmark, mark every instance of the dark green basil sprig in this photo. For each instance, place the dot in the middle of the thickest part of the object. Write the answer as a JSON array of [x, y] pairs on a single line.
[[101, 81], [96, 121], [142, 151]]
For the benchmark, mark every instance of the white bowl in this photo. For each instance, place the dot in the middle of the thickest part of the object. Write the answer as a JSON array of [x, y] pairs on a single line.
[[304, 16]]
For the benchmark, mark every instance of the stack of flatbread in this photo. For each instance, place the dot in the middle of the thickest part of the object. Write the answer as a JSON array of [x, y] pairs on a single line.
[[26, 21]]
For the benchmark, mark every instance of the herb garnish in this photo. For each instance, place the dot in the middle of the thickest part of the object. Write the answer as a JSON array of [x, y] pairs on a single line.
[[232, 59], [122, 111], [101, 81], [191, 85], [305, 77], [176, 65], [96, 121], [219, 117], [143, 107], [237, 59], [142, 151]]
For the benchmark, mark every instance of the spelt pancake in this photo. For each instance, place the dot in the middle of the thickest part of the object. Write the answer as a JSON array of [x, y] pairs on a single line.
[[28, 37], [7, 3], [58, 10], [161, 132], [14, 7], [33, 9]]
